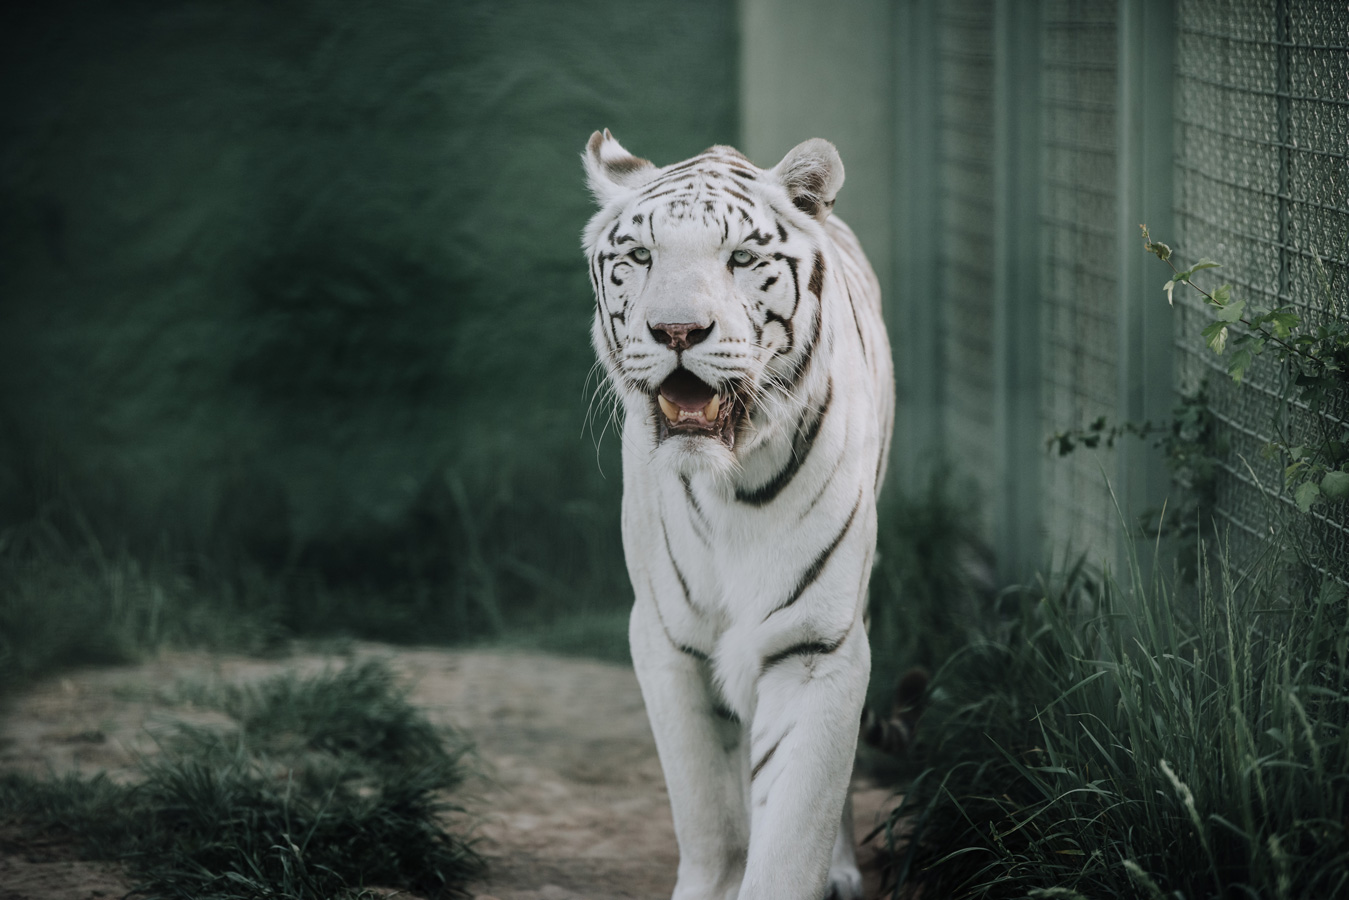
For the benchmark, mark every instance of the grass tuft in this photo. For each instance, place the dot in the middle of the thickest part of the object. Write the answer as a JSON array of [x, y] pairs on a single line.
[[1133, 741], [933, 578], [330, 786]]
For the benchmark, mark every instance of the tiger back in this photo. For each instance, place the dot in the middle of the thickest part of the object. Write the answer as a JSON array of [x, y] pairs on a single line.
[[739, 326]]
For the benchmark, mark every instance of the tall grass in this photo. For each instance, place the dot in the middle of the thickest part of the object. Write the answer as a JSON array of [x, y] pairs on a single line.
[[933, 578], [1131, 740], [67, 598], [499, 558], [326, 788]]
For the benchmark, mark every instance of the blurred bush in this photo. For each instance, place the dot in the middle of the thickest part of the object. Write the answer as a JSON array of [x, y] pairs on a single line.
[[301, 283]]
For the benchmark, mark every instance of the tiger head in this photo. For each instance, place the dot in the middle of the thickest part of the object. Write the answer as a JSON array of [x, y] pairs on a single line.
[[707, 276]]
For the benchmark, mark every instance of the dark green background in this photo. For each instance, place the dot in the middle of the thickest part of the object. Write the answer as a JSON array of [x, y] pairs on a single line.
[[303, 279]]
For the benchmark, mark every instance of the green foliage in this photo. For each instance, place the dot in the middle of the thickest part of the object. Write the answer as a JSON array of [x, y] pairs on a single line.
[[325, 269], [329, 786], [931, 583], [489, 558], [67, 599], [359, 711], [1316, 354], [1192, 448], [1113, 744]]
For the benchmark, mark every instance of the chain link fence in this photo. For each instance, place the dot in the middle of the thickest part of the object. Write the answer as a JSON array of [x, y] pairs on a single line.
[[1260, 95], [1079, 355], [966, 222], [1031, 138], [1262, 186]]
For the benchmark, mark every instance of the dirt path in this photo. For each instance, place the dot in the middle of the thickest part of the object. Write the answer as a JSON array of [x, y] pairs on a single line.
[[571, 804]]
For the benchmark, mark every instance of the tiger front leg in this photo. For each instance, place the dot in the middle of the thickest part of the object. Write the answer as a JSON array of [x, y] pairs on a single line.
[[702, 755], [803, 741]]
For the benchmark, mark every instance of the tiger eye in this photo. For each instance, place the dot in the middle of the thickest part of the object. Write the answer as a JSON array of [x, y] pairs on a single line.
[[641, 254]]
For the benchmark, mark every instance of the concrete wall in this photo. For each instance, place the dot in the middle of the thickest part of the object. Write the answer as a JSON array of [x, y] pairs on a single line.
[[810, 69]]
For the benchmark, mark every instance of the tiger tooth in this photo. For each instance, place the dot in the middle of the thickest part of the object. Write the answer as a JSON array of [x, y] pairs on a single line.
[[713, 407], [671, 411]]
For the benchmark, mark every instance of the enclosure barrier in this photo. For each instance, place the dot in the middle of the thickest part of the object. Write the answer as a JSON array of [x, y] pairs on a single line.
[[1029, 140]]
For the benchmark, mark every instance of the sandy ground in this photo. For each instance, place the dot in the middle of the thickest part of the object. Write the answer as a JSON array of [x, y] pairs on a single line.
[[571, 803]]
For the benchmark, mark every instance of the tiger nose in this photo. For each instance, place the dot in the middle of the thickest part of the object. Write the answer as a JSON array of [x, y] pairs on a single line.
[[679, 335]]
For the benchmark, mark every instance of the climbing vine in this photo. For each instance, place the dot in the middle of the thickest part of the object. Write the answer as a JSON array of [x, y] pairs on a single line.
[[1316, 356]]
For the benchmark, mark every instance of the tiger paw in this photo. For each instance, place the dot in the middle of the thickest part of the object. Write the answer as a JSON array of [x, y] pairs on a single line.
[[845, 883]]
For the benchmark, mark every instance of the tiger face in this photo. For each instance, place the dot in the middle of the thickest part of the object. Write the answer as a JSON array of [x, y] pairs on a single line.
[[707, 278]]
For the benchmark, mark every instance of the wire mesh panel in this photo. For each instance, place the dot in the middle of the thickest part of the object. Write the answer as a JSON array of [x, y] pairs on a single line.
[[1262, 185], [1079, 353], [966, 219]]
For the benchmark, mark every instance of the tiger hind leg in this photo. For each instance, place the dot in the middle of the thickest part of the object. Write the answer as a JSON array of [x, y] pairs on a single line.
[[845, 879]]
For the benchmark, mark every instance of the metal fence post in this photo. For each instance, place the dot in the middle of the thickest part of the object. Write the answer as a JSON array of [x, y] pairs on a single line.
[[1146, 157], [1017, 262], [914, 315]]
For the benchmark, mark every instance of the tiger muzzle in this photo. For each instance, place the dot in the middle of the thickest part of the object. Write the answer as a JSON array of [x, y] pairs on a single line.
[[690, 406]]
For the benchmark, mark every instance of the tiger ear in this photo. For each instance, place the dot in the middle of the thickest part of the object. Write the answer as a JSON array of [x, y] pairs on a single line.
[[611, 170], [812, 173]]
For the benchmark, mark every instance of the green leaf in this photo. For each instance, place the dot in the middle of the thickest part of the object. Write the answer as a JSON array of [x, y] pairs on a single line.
[[1215, 335], [1204, 264], [1169, 287], [1331, 592], [1284, 323], [1231, 312], [1222, 295], [1307, 493], [1237, 367], [1335, 486]]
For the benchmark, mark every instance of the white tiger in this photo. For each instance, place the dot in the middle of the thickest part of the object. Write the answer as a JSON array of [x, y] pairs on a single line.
[[740, 325]]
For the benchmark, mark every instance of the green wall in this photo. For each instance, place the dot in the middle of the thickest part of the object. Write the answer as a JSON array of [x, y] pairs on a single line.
[[306, 275], [810, 69]]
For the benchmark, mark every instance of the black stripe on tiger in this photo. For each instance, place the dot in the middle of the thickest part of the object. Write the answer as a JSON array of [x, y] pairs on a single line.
[[817, 566], [672, 190], [683, 584], [660, 617], [805, 648], [763, 760], [675, 172], [792, 263], [803, 362], [817, 276], [699, 517], [724, 712], [824, 488], [611, 336], [857, 321], [802, 442]]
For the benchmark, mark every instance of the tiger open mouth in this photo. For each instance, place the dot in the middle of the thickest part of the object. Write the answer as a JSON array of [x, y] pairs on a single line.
[[687, 405]]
